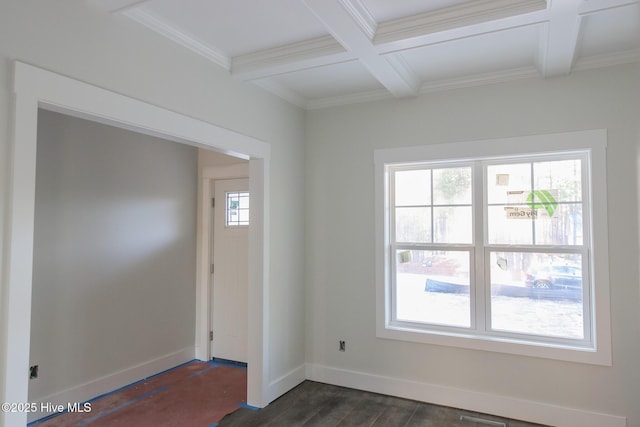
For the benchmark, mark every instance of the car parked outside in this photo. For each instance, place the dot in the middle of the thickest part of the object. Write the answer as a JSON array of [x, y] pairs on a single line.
[[555, 277]]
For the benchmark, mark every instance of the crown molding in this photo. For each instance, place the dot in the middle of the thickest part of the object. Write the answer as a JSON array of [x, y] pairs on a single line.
[[483, 79], [588, 7], [463, 15], [283, 92], [360, 13], [429, 87], [607, 60], [354, 98], [292, 57], [115, 6], [171, 32]]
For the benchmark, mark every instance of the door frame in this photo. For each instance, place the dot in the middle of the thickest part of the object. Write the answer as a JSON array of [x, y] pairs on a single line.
[[35, 88], [205, 226]]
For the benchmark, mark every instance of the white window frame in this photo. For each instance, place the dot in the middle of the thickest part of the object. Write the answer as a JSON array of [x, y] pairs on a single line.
[[596, 348]]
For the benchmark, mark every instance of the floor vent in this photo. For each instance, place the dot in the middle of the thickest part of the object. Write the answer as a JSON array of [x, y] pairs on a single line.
[[482, 421]]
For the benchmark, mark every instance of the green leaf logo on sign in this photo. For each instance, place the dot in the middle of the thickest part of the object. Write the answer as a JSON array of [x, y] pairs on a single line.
[[546, 201]]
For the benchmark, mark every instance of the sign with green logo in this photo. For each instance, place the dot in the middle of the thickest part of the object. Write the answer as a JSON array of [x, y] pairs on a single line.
[[545, 200], [528, 208]]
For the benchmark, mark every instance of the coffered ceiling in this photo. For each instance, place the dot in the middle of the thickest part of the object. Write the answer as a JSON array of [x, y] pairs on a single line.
[[319, 53]]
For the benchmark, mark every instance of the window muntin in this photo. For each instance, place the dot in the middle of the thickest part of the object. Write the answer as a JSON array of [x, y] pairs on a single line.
[[531, 220]]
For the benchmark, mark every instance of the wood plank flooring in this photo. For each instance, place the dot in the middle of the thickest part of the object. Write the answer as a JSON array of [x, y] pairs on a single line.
[[313, 404]]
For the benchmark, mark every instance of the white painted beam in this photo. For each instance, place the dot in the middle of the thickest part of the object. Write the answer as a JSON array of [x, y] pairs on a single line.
[[341, 25], [392, 36], [559, 38]]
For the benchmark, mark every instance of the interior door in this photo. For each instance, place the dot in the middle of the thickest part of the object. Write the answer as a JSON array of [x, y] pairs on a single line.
[[230, 277]]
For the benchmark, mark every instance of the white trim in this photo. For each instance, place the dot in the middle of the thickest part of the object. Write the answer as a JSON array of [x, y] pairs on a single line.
[[490, 78], [108, 383], [480, 79], [340, 23], [316, 52], [181, 37], [352, 98], [590, 6], [281, 385], [282, 91], [411, 31], [594, 140], [607, 60], [37, 88], [114, 6], [361, 14], [504, 406]]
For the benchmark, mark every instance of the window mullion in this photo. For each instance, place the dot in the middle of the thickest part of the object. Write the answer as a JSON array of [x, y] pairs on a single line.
[[479, 305]]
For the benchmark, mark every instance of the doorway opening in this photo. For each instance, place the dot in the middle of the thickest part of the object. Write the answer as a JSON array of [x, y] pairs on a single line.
[[36, 88]]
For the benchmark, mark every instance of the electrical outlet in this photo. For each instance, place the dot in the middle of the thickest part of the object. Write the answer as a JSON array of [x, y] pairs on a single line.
[[33, 372], [343, 346]]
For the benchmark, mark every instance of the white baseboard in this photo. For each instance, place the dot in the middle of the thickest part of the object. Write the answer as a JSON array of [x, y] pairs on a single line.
[[503, 406], [286, 382], [108, 383]]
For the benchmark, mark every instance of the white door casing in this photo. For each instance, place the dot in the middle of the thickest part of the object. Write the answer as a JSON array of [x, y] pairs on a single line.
[[36, 88], [229, 309]]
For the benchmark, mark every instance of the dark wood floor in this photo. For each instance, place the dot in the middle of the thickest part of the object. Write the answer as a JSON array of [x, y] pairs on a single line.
[[322, 405]]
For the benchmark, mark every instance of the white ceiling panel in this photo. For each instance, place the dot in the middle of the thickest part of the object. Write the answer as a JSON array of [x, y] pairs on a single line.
[[331, 80], [315, 53], [385, 10], [611, 30], [502, 50], [238, 27]]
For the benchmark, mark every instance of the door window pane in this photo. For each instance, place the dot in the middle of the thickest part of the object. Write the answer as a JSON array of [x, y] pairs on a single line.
[[237, 209]]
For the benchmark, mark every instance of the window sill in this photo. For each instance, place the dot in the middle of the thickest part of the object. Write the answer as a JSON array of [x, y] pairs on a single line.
[[497, 344]]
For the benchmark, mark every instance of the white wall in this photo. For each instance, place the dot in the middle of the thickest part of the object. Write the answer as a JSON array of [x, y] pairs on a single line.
[[340, 239], [114, 252], [71, 38]]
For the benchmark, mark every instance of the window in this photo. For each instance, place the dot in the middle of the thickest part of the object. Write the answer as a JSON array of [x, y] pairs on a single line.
[[491, 245], [237, 209]]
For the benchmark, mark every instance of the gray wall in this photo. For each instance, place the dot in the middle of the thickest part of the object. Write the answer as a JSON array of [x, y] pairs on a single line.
[[114, 251], [340, 247]]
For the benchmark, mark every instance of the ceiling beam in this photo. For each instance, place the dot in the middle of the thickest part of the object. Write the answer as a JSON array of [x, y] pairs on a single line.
[[559, 38], [340, 23], [392, 36]]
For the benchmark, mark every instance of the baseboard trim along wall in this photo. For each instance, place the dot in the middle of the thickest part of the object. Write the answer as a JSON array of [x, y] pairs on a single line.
[[286, 382], [503, 406], [111, 382]]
